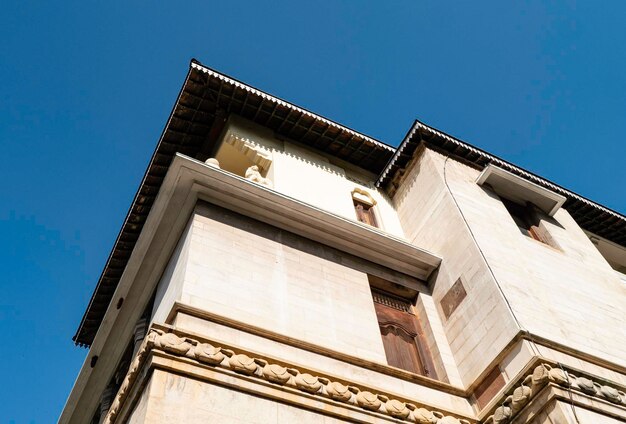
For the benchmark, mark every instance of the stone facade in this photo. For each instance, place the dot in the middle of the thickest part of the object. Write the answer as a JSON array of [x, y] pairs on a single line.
[[254, 280]]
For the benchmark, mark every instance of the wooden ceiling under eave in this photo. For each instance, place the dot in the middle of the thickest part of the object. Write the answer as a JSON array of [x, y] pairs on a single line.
[[206, 98]]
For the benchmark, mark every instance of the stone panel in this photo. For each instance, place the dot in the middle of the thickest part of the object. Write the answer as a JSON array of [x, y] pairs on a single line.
[[481, 325], [178, 399], [246, 270], [569, 295]]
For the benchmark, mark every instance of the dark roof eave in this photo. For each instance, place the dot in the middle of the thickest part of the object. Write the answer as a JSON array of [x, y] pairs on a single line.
[[606, 222], [204, 94]]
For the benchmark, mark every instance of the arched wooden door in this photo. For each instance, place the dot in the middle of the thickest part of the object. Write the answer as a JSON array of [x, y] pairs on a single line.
[[402, 335]]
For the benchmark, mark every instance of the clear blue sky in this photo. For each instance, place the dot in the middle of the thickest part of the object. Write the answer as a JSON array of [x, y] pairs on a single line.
[[85, 91]]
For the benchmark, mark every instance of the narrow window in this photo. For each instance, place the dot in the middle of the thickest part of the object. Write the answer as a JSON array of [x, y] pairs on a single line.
[[528, 221], [365, 213], [364, 205], [402, 335]]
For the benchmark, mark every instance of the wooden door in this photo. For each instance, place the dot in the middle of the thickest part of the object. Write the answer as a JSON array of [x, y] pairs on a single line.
[[402, 335], [365, 213]]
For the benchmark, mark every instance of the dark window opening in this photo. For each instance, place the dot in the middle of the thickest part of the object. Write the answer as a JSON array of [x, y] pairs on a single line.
[[403, 338], [365, 213], [528, 221]]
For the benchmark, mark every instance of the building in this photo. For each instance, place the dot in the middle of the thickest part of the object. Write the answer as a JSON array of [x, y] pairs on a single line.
[[278, 267]]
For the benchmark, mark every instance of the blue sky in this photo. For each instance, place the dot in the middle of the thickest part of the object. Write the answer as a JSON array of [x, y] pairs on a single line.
[[86, 90]]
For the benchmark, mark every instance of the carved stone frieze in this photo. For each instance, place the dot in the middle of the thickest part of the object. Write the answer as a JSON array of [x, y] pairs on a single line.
[[205, 353], [398, 409], [338, 391], [258, 154], [241, 363], [543, 374], [368, 400], [309, 383]]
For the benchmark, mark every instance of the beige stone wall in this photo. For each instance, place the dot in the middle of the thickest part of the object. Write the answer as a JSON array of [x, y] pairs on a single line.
[[242, 269], [481, 326], [178, 399], [570, 296], [170, 286], [321, 362], [140, 411], [560, 412]]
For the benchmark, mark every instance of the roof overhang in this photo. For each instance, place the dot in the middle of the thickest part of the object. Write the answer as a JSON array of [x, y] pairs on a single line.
[[206, 99], [520, 190], [591, 216]]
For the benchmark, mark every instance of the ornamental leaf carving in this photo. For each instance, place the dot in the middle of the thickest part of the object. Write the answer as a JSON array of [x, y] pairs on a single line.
[[243, 364], [338, 391], [308, 383], [277, 374], [368, 400], [397, 409]]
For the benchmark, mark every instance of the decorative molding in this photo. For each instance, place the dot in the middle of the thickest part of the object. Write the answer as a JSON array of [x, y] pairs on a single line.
[[363, 196], [253, 175], [516, 188], [241, 363], [519, 395], [258, 154], [391, 301], [511, 403], [192, 311]]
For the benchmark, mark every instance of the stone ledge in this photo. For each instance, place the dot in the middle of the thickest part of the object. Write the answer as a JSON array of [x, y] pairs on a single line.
[[300, 388], [195, 312], [165, 342], [515, 398]]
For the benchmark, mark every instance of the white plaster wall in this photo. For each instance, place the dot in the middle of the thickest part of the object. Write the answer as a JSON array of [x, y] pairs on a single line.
[[481, 326], [570, 296], [314, 178]]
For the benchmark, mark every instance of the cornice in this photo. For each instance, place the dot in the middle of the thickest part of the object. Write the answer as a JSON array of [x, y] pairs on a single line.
[[182, 308], [240, 195], [503, 410], [177, 344], [263, 95], [521, 391]]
